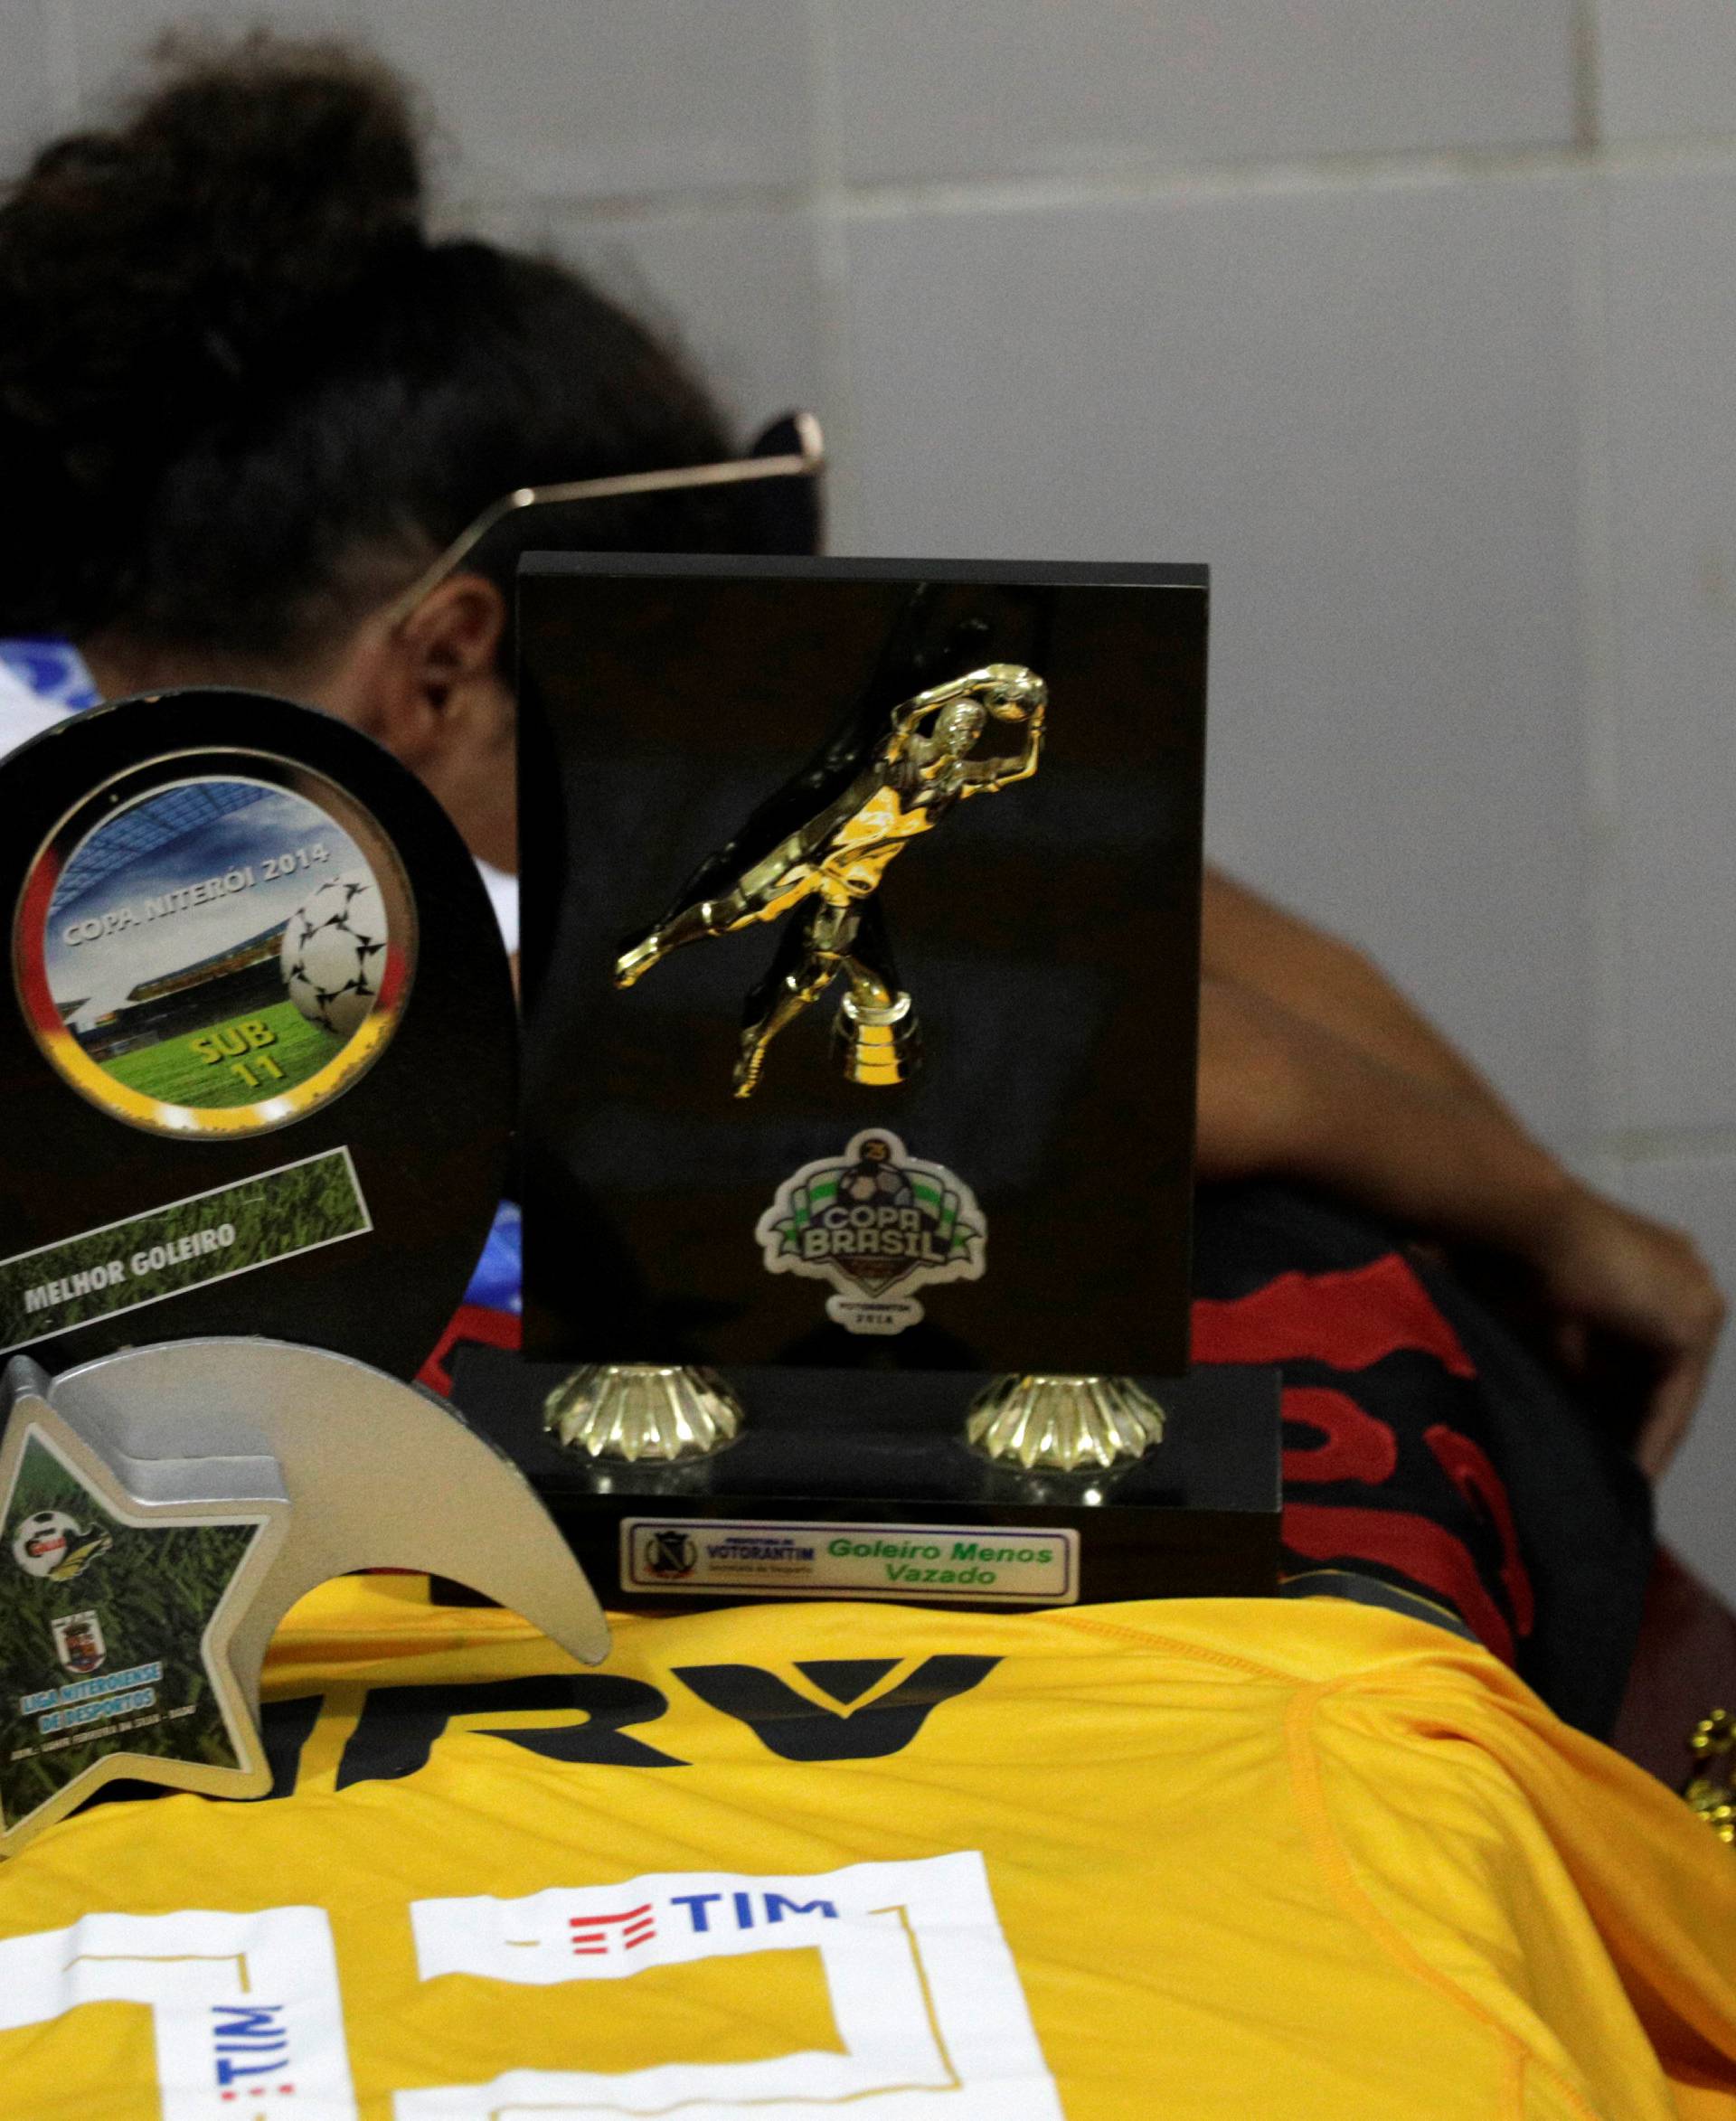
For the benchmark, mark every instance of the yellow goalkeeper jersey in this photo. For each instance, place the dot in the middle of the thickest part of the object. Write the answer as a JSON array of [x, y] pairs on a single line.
[[1204, 1858]]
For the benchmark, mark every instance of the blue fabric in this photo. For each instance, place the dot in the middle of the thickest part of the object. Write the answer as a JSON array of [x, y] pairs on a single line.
[[53, 670], [497, 1283]]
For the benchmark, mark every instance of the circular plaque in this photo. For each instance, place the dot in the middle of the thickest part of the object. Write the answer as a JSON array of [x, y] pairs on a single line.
[[214, 946], [256, 1059]]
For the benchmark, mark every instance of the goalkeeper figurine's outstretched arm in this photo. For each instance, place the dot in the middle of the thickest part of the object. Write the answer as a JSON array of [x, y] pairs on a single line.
[[1007, 690], [905, 787]]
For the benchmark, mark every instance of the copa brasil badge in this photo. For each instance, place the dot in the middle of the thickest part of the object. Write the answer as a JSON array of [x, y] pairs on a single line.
[[878, 1224]]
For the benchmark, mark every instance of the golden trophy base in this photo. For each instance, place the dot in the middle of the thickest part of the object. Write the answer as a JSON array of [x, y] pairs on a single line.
[[1066, 1424], [875, 1045], [634, 1411], [1713, 1791]]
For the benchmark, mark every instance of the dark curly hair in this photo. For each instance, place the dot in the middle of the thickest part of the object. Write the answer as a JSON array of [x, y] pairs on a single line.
[[244, 396]]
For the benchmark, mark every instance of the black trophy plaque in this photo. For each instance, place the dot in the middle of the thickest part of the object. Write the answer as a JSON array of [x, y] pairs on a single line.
[[861, 928], [257, 1046], [861, 946]]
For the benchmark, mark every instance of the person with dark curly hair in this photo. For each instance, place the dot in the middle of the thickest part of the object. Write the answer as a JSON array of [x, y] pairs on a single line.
[[246, 399], [249, 406]]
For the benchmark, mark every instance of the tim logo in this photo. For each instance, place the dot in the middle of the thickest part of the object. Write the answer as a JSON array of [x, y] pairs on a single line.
[[250, 2050], [604, 1932], [928, 2015], [595, 1935], [669, 1553]]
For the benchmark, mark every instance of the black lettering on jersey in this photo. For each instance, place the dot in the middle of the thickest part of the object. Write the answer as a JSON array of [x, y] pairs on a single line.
[[285, 1727], [797, 1729], [845, 1679], [399, 1724]]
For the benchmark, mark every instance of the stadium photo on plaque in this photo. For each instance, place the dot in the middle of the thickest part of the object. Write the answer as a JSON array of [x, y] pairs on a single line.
[[862, 956], [216, 951]]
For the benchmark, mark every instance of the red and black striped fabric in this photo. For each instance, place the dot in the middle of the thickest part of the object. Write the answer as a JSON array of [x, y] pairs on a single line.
[[1424, 1450]]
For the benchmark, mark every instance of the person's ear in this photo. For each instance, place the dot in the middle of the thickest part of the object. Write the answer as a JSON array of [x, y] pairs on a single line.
[[429, 688], [436, 688]]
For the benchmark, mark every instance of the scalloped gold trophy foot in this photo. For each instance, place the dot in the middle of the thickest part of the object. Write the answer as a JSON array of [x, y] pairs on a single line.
[[651, 1411], [1063, 1424]]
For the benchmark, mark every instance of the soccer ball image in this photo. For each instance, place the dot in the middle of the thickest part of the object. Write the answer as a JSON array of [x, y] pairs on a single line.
[[41, 1543], [333, 953]]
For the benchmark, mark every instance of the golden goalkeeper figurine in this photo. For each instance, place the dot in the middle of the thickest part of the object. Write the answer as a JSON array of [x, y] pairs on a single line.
[[834, 862]]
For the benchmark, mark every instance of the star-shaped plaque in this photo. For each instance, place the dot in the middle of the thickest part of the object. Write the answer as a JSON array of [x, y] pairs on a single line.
[[161, 1510], [116, 1610]]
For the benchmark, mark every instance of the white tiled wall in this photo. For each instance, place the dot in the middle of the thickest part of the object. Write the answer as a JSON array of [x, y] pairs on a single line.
[[102, 40], [1668, 421], [1415, 323], [1671, 308], [1395, 686], [29, 106], [1667, 69], [587, 99], [719, 277], [987, 88]]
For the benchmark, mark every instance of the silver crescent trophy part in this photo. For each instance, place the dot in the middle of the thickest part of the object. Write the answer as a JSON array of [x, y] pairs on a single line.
[[643, 1411], [309, 1464], [1064, 1423]]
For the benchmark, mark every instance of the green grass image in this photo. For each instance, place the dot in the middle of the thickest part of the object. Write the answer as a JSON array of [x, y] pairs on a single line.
[[153, 1591], [278, 1212], [179, 1073], [282, 1214]]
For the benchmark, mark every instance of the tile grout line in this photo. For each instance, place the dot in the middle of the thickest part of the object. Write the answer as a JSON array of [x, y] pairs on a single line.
[[1134, 184], [1633, 1146], [825, 200], [1599, 645], [61, 57], [1588, 76]]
